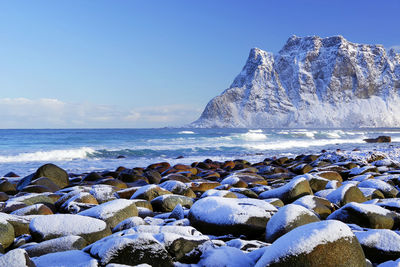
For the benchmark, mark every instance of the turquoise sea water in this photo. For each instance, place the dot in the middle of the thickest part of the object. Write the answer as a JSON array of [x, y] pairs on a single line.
[[81, 150]]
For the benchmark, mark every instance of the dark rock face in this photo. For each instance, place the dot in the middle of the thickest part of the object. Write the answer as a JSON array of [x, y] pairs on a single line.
[[380, 139], [57, 175]]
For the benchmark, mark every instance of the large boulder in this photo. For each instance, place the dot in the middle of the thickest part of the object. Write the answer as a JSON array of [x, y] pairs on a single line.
[[345, 194], [47, 227], [319, 205], [325, 243], [57, 175], [167, 203], [71, 258], [365, 215], [6, 233], [286, 219], [131, 250], [388, 190], [380, 245], [112, 212], [149, 192], [289, 192], [64, 243], [16, 258], [219, 216]]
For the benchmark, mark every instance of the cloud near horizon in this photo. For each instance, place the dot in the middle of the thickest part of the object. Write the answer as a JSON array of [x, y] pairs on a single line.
[[54, 113]]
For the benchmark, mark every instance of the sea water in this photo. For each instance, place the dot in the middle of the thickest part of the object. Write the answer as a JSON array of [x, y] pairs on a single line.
[[84, 150]]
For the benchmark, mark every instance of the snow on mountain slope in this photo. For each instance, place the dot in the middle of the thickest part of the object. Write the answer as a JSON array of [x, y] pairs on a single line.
[[312, 82]]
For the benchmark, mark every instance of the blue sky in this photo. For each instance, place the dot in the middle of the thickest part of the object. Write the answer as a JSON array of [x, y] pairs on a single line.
[[73, 64]]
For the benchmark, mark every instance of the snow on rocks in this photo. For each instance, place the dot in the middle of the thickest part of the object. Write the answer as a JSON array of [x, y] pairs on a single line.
[[380, 245], [388, 190], [207, 213], [131, 250], [47, 227], [65, 243], [16, 258], [321, 206], [345, 194], [325, 243], [71, 258], [167, 203], [128, 223], [218, 215], [149, 192], [112, 212], [366, 215], [225, 256], [289, 192], [286, 219]]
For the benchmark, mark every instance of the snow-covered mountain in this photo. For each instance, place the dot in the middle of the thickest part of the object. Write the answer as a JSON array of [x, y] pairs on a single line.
[[312, 82]]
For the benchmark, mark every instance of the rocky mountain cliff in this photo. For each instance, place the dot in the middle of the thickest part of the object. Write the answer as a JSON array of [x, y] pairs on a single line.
[[312, 82]]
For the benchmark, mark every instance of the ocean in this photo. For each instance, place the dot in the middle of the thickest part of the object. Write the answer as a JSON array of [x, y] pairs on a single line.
[[84, 150]]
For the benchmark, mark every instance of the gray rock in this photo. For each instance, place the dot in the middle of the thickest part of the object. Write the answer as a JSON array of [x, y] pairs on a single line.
[[112, 212], [56, 245]]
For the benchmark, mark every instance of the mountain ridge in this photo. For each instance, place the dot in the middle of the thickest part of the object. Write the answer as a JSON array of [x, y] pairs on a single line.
[[311, 82]]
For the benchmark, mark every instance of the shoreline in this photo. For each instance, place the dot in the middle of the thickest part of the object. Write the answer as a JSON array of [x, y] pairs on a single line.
[[212, 208]]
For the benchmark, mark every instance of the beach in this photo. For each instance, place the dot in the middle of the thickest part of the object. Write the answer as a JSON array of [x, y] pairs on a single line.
[[338, 205]]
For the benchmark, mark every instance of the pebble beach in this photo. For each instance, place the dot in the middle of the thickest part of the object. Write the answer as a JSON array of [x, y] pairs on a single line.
[[332, 208]]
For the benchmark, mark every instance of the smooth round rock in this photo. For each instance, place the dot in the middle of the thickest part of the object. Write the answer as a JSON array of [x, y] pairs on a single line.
[[47, 227], [219, 216], [325, 243]]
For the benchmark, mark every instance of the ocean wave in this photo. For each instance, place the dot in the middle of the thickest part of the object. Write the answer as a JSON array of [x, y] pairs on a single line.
[[186, 132], [50, 156], [254, 135], [300, 144]]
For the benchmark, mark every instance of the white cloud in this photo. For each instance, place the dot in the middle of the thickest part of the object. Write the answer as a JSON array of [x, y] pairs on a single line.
[[53, 113]]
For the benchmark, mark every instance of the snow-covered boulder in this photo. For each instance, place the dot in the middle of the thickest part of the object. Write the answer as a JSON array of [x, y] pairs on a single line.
[[16, 258], [35, 209], [149, 192], [345, 194], [71, 258], [225, 256], [167, 203], [380, 245], [218, 216], [289, 192], [177, 187], [47, 227], [324, 243], [365, 215], [131, 250], [112, 212], [286, 219], [388, 190], [71, 242], [129, 223], [319, 205], [218, 193]]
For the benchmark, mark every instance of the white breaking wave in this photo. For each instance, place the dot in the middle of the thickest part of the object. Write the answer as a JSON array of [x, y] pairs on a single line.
[[186, 132], [300, 144], [51, 155], [254, 135]]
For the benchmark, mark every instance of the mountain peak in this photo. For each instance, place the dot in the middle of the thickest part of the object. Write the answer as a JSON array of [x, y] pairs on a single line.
[[311, 82]]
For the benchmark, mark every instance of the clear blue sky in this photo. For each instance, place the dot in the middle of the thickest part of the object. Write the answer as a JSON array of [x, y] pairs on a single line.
[[150, 63]]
